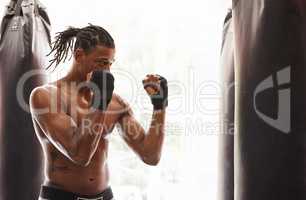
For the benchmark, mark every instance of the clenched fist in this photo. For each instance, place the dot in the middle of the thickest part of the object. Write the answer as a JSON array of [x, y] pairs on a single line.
[[157, 88]]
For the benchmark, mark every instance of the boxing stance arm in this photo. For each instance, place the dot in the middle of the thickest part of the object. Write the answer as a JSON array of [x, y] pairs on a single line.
[[148, 146], [77, 143]]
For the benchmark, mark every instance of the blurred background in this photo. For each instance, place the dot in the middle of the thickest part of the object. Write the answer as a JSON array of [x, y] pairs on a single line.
[[181, 41]]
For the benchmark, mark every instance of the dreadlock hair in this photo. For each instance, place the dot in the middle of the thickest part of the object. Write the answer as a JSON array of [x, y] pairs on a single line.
[[72, 38]]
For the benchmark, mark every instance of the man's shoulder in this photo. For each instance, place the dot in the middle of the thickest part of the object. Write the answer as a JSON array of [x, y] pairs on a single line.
[[39, 98], [42, 94]]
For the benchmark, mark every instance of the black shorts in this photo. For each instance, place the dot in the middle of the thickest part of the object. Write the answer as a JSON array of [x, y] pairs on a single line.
[[51, 193]]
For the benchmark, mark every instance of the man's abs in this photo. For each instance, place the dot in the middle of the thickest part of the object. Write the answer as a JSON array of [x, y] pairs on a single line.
[[85, 182], [62, 173]]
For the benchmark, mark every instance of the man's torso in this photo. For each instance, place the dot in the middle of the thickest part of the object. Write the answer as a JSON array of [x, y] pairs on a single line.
[[63, 173]]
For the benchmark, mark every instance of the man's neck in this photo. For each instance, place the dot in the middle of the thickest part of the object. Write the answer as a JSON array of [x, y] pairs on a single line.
[[73, 80], [75, 76]]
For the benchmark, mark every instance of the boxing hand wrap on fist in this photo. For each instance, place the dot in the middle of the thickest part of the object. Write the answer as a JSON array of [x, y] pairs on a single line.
[[157, 88], [103, 89]]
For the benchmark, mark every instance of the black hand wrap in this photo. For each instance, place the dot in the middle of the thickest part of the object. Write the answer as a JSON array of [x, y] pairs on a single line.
[[103, 90], [160, 100]]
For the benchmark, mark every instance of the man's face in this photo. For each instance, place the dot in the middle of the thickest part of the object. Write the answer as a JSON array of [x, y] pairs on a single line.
[[99, 58]]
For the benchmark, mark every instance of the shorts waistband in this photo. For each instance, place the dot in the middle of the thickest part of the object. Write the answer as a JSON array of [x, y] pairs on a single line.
[[51, 193]]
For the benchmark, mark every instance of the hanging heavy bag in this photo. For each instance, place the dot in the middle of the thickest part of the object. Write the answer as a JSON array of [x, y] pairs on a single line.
[[24, 44], [226, 139], [270, 107]]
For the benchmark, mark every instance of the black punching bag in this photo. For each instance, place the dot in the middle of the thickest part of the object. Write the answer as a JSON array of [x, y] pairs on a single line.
[[24, 43], [270, 107], [226, 172]]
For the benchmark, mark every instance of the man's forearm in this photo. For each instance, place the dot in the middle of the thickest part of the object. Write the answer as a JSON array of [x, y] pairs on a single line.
[[154, 139]]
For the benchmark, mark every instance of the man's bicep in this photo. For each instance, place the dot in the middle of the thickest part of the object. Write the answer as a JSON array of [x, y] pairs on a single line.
[[58, 127], [130, 129], [132, 132]]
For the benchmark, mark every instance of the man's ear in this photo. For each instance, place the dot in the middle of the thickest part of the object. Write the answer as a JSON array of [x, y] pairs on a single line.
[[79, 55]]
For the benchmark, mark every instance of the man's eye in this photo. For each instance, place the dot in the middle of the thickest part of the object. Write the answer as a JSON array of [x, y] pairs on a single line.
[[104, 62]]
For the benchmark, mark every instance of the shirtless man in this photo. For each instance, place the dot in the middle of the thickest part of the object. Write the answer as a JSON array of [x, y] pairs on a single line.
[[72, 131]]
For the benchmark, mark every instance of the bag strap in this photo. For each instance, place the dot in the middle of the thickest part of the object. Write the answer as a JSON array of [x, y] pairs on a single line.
[[36, 7], [18, 7], [18, 11]]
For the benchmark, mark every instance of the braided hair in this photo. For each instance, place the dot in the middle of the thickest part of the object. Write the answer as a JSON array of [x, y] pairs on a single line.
[[72, 38]]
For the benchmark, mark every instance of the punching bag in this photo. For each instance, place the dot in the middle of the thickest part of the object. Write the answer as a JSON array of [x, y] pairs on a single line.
[[270, 107], [226, 175], [24, 44]]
